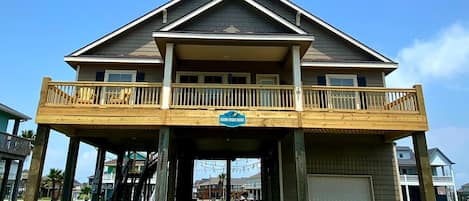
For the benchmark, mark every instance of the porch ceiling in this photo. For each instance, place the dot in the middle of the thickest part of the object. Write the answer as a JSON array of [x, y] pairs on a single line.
[[232, 47]]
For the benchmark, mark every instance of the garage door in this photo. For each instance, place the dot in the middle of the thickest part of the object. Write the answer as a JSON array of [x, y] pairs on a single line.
[[339, 188]]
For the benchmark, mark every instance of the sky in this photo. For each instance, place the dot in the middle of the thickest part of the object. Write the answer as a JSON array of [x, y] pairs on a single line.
[[430, 40]]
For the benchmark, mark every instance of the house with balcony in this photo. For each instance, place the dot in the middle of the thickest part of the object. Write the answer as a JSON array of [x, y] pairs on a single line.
[[442, 175], [13, 151], [224, 79], [463, 192]]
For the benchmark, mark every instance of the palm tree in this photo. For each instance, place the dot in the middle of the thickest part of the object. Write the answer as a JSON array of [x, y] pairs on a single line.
[[54, 177], [85, 192], [221, 183], [28, 134]]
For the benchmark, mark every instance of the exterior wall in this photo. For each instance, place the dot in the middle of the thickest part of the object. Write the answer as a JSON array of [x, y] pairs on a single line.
[[329, 47], [233, 13], [138, 42], [153, 73], [3, 122], [354, 155], [374, 78], [224, 66]]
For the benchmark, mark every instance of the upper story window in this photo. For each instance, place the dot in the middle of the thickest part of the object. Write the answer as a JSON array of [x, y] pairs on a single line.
[[403, 155], [343, 99], [213, 77], [341, 80], [120, 76]]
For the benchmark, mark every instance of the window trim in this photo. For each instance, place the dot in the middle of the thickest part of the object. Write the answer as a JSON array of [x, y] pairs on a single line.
[[201, 76], [276, 76], [342, 76], [131, 72]]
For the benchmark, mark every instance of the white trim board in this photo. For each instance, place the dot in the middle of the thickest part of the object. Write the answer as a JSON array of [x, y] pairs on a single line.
[[124, 28], [113, 60], [349, 65], [336, 31], [226, 36], [250, 2]]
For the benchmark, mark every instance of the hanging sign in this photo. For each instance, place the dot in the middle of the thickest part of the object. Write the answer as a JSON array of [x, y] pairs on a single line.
[[232, 119]]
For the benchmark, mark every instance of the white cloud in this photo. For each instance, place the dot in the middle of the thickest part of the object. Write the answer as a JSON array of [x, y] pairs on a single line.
[[444, 56]]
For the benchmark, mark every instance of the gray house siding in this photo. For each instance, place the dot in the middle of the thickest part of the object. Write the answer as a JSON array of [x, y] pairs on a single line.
[[374, 78], [153, 73], [355, 155], [138, 42], [233, 13], [278, 7]]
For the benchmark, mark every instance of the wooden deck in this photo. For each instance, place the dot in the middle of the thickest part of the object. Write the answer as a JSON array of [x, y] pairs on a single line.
[[138, 104], [14, 146]]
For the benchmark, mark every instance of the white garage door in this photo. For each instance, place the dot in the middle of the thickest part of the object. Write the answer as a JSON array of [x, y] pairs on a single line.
[[339, 188]]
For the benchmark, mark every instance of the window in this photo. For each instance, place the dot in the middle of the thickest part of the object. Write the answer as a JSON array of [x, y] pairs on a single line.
[[189, 79], [343, 99], [213, 77], [120, 76]]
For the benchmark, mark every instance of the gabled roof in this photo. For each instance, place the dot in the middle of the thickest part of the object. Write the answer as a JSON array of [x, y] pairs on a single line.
[[336, 31], [433, 151], [251, 2], [13, 113], [124, 28], [254, 4]]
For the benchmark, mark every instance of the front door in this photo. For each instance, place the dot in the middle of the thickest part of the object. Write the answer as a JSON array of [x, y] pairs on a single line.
[[267, 96]]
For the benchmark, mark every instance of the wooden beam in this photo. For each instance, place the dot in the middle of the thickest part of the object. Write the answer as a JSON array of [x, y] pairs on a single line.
[[427, 192], [228, 180], [300, 160], [6, 173], [37, 163], [98, 175], [162, 168], [19, 171], [70, 168], [420, 99], [119, 166]]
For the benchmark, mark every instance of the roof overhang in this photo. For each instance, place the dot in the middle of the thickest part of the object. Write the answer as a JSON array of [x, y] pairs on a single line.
[[233, 47], [73, 61], [13, 114]]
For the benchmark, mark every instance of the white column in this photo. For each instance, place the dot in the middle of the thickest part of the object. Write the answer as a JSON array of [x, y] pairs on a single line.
[[454, 183], [296, 65], [168, 73], [407, 194]]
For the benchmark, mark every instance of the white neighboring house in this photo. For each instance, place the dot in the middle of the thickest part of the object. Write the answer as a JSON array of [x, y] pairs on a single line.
[[442, 171]]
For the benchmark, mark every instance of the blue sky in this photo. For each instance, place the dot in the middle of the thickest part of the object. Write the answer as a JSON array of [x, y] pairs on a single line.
[[430, 39]]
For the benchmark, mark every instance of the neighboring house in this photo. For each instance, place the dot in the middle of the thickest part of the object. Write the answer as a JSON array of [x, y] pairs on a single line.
[[13, 151], [220, 80], [248, 188], [442, 173], [463, 193]]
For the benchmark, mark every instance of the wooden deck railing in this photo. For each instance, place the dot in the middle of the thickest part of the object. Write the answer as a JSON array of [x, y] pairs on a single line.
[[103, 93], [230, 96], [360, 98], [15, 145]]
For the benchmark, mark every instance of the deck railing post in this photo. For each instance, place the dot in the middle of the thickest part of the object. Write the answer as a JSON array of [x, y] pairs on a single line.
[[168, 73], [44, 87], [420, 99]]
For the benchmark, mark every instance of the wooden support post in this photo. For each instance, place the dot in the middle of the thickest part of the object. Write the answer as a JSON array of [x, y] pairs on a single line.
[[168, 73], [162, 168], [119, 165], [70, 167], [98, 175], [427, 192], [296, 65], [300, 161], [172, 172], [228, 180], [16, 127], [19, 171], [185, 174], [37, 163], [6, 173]]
